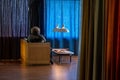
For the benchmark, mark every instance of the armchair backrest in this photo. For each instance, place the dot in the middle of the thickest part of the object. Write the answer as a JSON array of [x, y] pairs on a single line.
[[35, 53]]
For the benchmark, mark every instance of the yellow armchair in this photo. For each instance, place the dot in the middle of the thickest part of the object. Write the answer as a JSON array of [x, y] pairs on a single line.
[[35, 53]]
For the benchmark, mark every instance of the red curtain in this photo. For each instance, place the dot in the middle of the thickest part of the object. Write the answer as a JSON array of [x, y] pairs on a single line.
[[113, 40], [118, 47]]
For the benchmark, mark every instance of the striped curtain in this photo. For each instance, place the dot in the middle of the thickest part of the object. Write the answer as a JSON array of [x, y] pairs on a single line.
[[100, 46], [13, 26]]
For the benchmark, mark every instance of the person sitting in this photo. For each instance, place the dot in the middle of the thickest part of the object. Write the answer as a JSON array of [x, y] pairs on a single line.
[[35, 35]]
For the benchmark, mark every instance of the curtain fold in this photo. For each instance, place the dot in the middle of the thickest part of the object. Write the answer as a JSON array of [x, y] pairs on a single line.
[[113, 41], [100, 45], [118, 48]]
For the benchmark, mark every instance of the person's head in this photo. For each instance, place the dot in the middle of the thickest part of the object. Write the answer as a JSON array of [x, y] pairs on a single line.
[[35, 30]]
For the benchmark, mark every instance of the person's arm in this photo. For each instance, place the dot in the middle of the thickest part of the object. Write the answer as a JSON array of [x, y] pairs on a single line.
[[28, 38], [31, 38], [44, 40]]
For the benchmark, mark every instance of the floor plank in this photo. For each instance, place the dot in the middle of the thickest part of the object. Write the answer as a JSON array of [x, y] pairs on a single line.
[[10, 70]]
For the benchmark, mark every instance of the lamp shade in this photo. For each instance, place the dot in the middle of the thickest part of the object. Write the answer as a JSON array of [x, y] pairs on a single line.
[[56, 29], [63, 29]]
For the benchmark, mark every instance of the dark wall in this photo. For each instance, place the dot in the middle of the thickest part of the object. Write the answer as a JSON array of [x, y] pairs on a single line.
[[9, 47], [36, 14]]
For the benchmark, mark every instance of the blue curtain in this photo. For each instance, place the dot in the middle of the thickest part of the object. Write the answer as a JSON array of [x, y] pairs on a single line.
[[59, 12]]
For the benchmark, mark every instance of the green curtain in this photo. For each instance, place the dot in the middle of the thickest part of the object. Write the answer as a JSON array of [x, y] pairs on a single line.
[[100, 55]]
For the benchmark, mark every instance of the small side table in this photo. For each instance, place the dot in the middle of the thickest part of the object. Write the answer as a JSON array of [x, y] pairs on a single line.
[[63, 52]]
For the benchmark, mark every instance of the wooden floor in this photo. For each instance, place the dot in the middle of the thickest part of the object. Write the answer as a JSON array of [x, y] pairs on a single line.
[[64, 71]]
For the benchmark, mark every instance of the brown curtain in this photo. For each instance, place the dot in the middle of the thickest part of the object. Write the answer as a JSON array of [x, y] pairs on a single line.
[[100, 54]]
